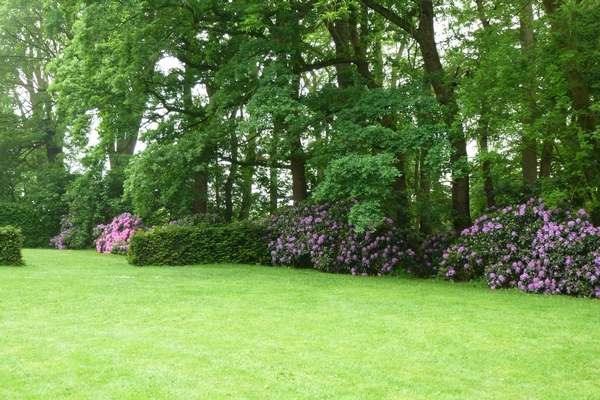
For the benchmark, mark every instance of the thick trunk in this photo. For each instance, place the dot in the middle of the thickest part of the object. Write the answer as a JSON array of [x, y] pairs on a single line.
[[528, 143], [273, 175], [298, 167], [424, 197], [228, 189], [200, 204], [546, 159], [486, 167], [425, 37], [341, 37], [247, 180], [53, 149]]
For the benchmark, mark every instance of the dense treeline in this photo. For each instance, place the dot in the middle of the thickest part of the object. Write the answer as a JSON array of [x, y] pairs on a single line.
[[424, 111]]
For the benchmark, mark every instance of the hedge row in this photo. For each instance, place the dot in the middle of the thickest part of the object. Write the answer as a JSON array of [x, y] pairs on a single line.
[[11, 243], [183, 245], [35, 233]]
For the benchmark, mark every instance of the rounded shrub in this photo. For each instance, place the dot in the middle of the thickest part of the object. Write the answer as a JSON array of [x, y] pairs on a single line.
[[11, 243]]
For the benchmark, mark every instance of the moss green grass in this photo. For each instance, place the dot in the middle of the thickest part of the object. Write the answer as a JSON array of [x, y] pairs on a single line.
[[81, 325]]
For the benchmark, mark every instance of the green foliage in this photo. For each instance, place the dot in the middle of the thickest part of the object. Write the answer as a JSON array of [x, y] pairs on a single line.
[[93, 198], [184, 245], [25, 217], [366, 178], [11, 243]]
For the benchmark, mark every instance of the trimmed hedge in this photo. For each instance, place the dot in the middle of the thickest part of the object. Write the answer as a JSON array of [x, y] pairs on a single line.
[[244, 243], [35, 233], [11, 243]]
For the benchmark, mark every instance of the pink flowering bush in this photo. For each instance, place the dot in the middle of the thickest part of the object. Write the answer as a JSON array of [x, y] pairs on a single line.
[[114, 237], [320, 237], [530, 248]]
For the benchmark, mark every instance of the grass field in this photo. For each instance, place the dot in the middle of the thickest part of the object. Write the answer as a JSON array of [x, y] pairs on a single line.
[[79, 325]]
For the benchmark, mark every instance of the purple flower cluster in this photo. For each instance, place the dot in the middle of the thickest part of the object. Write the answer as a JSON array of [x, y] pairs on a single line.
[[320, 237], [114, 237], [431, 253], [531, 248], [61, 241]]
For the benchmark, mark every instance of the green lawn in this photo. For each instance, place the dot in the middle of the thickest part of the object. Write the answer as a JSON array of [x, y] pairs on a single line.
[[80, 325]]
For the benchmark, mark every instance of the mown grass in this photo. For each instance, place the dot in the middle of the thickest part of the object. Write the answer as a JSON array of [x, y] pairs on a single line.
[[79, 325]]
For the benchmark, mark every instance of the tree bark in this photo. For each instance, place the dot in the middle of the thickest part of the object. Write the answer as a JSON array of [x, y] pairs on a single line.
[[486, 166], [528, 143], [546, 159], [247, 180], [273, 174], [200, 204], [228, 189]]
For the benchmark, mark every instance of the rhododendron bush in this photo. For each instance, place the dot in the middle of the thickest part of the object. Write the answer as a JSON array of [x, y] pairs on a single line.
[[321, 237], [532, 248], [114, 237]]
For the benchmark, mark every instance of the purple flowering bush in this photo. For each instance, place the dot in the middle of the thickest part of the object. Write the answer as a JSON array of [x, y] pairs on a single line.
[[532, 248], [114, 237], [62, 241], [320, 237], [430, 254]]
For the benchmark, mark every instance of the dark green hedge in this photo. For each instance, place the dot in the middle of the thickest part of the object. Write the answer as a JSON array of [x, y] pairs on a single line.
[[244, 243], [11, 243], [35, 233]]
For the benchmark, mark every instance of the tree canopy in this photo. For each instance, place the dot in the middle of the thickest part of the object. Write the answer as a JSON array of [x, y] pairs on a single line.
[[425, 111]]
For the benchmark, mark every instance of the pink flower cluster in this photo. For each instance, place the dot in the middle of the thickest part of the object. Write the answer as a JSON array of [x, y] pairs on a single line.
[[114, 237]]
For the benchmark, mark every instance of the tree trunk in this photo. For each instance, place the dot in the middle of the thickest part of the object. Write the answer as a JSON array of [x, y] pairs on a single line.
[[529, 143], [424, 196], [247, 179], [488, 183], [228, 189], [297, 161], [546, 159], [273, 174], [339, 33], [424, 35], [200, 203]]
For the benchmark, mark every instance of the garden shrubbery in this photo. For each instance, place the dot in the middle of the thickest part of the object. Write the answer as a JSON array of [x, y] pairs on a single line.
[[320, 237], [177, 244], [531, 248], [11, 243], [35, 233], [114, 237]]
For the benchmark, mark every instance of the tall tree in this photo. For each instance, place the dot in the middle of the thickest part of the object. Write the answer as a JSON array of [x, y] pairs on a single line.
[[423, 33]]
